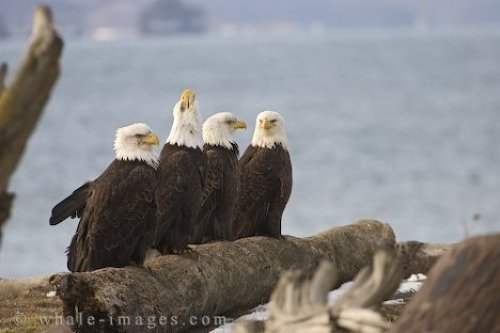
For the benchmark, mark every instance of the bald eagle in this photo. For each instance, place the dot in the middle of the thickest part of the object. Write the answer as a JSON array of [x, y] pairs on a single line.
[[265, 174], [117, 209], [181, 177], [221, 178]]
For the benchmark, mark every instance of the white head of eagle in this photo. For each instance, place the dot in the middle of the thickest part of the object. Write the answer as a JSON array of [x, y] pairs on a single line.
[[218, 130], [135, 142], [269, 130], [187, 123]]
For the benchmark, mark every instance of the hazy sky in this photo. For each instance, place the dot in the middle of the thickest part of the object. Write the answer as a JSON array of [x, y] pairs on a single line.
[[87, 15]]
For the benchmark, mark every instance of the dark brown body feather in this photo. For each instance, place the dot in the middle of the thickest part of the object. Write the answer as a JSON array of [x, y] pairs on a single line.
[[219, 195], [179, 196], [264, 189], [117, 210]]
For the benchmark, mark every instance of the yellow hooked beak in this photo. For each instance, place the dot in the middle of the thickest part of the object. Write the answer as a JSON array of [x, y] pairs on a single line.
[[265, 124], [239, 124], [188, 97], [151, 139]]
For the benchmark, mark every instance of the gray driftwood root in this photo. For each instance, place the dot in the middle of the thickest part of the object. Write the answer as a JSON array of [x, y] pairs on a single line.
[[461, 293], [216, 279], [299, 304], [23, 100]]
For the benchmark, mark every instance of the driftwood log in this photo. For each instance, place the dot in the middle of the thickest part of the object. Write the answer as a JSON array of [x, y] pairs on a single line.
[[178, 292], [23, 100], [461, 293], [218, 278]]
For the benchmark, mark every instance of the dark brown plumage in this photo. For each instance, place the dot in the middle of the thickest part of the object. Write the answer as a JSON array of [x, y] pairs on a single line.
[[219, 194], [72, 206], [117, 217], [179, 196], [117, 209], [265, 186]]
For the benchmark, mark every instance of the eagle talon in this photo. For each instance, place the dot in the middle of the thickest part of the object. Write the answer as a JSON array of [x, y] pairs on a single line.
[[151, 254]]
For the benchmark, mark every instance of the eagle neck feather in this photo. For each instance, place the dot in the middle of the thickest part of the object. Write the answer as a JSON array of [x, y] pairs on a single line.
[[127, 154], [266, 141], [186, 128]]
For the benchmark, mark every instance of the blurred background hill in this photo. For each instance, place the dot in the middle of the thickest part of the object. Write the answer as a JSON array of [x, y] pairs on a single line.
[[130, 18]]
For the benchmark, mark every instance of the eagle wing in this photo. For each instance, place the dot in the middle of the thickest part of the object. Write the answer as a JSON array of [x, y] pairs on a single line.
[[259, 185], [72, 206], [119, 216], [211, 196], [213, 177], [282, 192], [176, 175], [265, 187]]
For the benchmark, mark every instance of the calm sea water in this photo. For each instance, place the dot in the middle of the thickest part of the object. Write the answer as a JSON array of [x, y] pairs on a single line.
[[404, 129]]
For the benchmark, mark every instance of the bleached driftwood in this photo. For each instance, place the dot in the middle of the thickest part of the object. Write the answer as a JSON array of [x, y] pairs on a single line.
[[23, 100], [299, 304], [353, 312], [461, 292], [373, 284]]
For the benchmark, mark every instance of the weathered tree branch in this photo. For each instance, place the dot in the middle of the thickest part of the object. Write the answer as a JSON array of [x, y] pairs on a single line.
[[23, 100], [216, 279]]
